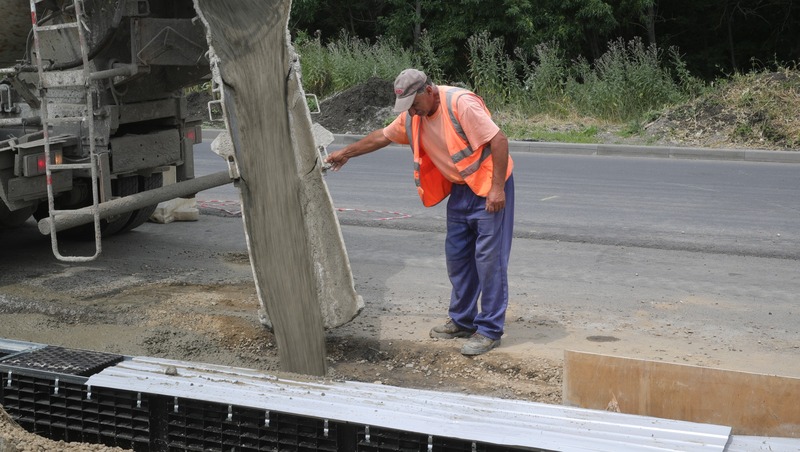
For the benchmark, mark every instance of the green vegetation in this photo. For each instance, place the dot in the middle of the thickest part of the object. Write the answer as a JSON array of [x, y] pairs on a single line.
[[348, 61], [715, 37], [628, 87], [626, 83], [764, 105]]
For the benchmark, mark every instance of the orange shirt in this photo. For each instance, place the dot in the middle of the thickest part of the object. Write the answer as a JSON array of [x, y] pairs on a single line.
[[477, 125]]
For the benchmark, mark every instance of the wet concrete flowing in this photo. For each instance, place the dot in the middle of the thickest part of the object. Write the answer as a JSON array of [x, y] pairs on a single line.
[[300, 267]]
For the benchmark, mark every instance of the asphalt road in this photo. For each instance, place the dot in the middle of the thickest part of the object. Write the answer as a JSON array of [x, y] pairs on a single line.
[[725, 207]]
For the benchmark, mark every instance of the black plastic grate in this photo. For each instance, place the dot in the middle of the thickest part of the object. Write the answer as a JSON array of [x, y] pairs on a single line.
[[70, 412], [63, 360], [203, 426], [375, 439]]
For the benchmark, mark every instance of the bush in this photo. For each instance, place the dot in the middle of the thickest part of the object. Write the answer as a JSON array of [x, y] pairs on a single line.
[[429, 58], [545, 79], [315, 64], [492, 73], [348, 61], [624, 83]]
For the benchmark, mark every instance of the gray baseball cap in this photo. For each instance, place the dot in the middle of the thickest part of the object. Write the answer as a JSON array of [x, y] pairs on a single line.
[[406, 86]]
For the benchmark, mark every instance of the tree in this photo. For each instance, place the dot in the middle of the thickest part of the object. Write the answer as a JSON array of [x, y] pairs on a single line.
[[597, 20], [357, 17], [448, 24], [635, 16], [715, 36]]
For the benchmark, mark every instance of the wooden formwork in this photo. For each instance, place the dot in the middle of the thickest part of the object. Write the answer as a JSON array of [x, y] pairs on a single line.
[[752, 404]]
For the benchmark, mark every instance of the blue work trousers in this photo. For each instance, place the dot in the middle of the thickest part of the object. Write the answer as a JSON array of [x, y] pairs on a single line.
[[477, 249]]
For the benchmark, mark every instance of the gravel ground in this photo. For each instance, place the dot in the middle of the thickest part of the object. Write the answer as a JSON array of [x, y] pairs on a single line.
[[184, 291]]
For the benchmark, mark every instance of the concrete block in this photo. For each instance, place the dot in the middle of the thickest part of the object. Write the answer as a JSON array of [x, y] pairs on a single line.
[[706, 154], [772, 156], [632, 151], [179, 209]]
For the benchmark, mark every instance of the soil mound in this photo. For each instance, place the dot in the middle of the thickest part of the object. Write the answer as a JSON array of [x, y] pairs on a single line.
[[754, 111], [358, 110]]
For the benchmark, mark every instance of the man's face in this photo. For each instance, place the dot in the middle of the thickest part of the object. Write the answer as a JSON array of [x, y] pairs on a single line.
[[424, 103]]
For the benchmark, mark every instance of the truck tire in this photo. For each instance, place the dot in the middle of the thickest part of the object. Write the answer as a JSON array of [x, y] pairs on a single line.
[[124, 222], [124, 186], [138, 217]]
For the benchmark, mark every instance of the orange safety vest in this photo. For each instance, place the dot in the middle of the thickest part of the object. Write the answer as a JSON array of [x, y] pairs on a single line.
[[474, 165]]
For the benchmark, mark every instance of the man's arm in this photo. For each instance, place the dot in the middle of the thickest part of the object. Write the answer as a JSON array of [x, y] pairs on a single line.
[[496, 199], [372, 142]]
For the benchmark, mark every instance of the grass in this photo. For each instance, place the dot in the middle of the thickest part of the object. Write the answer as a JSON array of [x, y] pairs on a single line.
[[519, 126], [348, 61]]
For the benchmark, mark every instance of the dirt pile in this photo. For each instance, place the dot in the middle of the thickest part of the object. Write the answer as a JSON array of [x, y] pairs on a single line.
[[358, 110], [757, 111]]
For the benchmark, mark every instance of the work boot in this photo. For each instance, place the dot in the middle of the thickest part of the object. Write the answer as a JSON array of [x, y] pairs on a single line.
[[450, 331], [479, 344]]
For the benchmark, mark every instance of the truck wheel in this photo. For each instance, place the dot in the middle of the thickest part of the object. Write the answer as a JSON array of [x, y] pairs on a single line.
[[120, 187], [138, 217], [124, 186]]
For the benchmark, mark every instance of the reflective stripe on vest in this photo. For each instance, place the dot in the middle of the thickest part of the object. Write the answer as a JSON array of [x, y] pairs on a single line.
[[467, 151], [409, 123], [457, 157]]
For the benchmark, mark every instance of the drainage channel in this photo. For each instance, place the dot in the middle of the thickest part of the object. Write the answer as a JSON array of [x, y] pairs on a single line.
[[150, 404]]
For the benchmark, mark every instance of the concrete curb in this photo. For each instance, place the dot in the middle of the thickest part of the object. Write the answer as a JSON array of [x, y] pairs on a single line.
[[620, 150]]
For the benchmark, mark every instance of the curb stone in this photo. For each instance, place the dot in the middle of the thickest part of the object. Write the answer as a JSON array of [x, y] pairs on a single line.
[[624, 150], [619, 150]]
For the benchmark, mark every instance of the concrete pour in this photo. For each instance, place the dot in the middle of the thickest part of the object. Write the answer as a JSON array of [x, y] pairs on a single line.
[[300, 265]]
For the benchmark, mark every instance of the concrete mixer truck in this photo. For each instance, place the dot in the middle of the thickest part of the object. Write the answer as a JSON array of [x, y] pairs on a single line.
[[91, 108]]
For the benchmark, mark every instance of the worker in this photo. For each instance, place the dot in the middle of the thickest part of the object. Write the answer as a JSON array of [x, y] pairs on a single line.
[[458, 151]]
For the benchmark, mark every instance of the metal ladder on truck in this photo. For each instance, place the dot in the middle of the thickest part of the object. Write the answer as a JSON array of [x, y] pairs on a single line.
[[63, 79]]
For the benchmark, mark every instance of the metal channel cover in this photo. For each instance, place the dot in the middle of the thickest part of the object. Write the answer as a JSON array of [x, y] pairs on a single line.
[[63, 360]]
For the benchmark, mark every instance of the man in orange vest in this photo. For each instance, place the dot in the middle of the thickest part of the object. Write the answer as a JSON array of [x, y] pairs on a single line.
[[458, 151]]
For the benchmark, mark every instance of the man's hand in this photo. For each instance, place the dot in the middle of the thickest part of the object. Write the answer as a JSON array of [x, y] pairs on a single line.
[[337, 159], [495, 200]]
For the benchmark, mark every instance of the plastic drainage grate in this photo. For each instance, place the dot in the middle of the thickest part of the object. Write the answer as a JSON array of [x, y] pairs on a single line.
[[63, 360], [72, 412], [375, 439], [194, 425]]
